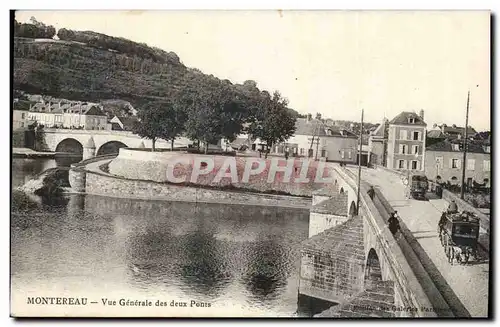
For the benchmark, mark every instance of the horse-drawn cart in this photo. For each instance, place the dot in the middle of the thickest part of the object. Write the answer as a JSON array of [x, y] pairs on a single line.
[[459, 234]]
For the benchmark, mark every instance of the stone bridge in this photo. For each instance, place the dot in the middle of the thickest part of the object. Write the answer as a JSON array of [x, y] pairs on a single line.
[[99, 142], [355, 266]]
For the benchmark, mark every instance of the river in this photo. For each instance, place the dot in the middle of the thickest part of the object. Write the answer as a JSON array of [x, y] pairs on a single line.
[[243, 260]]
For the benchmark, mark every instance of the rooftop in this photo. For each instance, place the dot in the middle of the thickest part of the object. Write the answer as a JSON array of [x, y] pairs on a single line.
[[408, 118], [456, 146], [315, 127]]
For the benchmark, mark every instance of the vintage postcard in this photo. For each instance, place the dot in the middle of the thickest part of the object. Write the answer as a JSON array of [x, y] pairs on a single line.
[[320, 164]]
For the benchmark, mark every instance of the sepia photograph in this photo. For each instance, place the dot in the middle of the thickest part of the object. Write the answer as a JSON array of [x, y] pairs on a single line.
[[250, 164]]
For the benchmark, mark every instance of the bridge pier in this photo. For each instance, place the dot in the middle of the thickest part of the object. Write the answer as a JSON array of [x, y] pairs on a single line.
[[89, 149]]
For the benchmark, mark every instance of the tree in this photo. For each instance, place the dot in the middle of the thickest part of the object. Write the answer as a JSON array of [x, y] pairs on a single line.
[[214, 112], [174, 118], [273, 121], [152, 122]]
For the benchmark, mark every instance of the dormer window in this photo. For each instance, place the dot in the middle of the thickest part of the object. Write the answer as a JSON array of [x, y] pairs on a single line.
[[456, 147], [487, 148], [411, 120]]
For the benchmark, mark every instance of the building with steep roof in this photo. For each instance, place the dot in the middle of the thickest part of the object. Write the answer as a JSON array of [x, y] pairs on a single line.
[[406, 141], [126, 123], [444, 162], [314, 139]]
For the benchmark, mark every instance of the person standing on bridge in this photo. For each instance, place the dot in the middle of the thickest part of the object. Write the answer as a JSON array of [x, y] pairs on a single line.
[[371, 192], [393, 222], [452, 208]]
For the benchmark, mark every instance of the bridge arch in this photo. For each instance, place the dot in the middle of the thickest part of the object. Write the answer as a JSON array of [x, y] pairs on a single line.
[[70, 145], [373, 272], [110, 147]]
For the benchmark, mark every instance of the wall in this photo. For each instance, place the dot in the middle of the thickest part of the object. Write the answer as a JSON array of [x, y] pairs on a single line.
[[395, 141], [319, 222], [331, 144], [19, 119], [446, 172], [152, 166], [334, 146], [393, 155], [376, 151], [105, 185]]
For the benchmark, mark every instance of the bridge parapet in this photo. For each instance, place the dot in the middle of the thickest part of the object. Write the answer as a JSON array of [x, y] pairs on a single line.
[[414, 288]]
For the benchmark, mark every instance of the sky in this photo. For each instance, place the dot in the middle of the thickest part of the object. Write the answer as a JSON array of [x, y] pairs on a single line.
[[331, 62]]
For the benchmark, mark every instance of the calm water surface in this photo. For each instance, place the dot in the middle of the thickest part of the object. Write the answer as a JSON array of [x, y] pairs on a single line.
[[243, 260]]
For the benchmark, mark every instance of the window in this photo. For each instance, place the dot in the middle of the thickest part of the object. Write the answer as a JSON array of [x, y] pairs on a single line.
[[456, 147], [401, 164], [471, 163], [349, 154], [487, 149], [402, 134], [416, 136], [342, 154], [402, 148], [414, 164], [301, 151], [415, 149], [323, 153], [411, 120], [22, 115], [455, 163], [486, 165], [439, 162]]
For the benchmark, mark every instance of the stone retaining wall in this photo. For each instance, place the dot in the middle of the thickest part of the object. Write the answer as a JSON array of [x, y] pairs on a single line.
[[152, 166], [107, 185]]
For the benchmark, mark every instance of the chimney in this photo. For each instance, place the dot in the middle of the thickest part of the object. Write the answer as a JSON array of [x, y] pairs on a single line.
[[309, 117], [421, 114]]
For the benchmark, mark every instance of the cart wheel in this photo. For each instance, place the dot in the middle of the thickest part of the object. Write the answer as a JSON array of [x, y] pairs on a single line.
[[466, 256]]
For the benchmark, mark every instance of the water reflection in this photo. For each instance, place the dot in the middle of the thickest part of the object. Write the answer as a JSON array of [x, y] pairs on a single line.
[[25, 169], [243, 256]]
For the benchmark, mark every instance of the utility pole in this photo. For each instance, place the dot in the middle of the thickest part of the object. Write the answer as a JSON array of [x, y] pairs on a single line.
[[462, 190], [317, 145], [359, 160]]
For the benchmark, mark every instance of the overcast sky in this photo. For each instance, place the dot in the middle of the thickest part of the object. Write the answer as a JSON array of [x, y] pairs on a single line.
[[330, 62]]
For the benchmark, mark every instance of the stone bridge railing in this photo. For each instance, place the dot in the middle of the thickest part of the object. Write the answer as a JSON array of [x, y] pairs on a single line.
[[412, 280]]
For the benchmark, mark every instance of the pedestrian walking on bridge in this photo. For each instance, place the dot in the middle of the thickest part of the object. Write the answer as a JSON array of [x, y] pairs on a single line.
[[393, 222]]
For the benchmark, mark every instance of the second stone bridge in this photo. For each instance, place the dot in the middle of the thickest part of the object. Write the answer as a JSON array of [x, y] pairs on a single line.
[[352, 262]]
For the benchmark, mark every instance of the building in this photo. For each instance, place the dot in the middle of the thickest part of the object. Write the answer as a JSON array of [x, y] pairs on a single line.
[[19, 119], [377, 144], [454, 131], [123, 123], [69, 115], [314, 139], [406, 141], [444, 162]]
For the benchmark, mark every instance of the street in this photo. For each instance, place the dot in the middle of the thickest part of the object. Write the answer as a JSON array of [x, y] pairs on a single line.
[[469, 282]]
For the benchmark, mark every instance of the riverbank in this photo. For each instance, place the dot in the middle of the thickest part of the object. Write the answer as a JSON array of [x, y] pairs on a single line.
[[29, 153]]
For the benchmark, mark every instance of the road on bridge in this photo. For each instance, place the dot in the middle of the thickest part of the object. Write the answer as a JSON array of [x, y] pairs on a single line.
[[469, 282]]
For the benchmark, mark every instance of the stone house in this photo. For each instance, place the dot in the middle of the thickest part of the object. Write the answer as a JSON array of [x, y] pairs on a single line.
[[406, 141], [314, 139], [444, 162]]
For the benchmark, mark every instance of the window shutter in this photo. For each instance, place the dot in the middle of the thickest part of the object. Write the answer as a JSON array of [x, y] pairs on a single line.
[[451, 163], [459, 163]]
